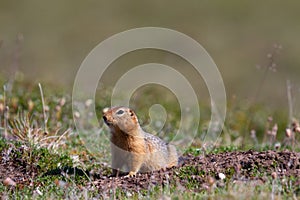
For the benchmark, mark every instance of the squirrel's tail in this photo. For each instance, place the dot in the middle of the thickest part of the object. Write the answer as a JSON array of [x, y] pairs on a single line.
[[173, 157]]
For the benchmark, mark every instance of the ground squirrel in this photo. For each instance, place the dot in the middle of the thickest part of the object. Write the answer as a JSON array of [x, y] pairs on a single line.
[[133, 150]]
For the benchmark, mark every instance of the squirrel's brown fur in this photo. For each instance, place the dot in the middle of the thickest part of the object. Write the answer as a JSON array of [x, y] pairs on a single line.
[[134, 149]]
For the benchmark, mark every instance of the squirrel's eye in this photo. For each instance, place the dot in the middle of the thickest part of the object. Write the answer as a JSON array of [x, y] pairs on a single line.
[[120, 112]]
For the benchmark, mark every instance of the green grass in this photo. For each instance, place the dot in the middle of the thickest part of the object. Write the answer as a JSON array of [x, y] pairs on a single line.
[[62, 162]]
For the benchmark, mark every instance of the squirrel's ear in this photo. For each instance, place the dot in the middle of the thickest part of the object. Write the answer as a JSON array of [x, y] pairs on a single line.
[[131, 112], [133, 116]]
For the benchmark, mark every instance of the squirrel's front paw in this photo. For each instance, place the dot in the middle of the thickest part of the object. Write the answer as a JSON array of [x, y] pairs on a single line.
[[131, 174]]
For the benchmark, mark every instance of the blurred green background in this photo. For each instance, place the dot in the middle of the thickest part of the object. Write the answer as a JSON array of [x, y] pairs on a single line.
[[47, 40]]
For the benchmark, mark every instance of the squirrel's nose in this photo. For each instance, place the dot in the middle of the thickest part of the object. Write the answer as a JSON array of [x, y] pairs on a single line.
[[104, 118], [105, 110], [107, 120]]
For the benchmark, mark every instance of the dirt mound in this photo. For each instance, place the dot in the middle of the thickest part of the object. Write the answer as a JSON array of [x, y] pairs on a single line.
[[16, 168], [199, 170], [194, 172]]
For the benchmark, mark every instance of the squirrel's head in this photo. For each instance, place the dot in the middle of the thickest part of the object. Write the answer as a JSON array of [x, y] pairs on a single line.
[[120, 118]]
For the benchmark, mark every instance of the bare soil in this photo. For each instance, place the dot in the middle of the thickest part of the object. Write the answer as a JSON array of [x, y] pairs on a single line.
[[18, 169], [203, 171], [195, 173]]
